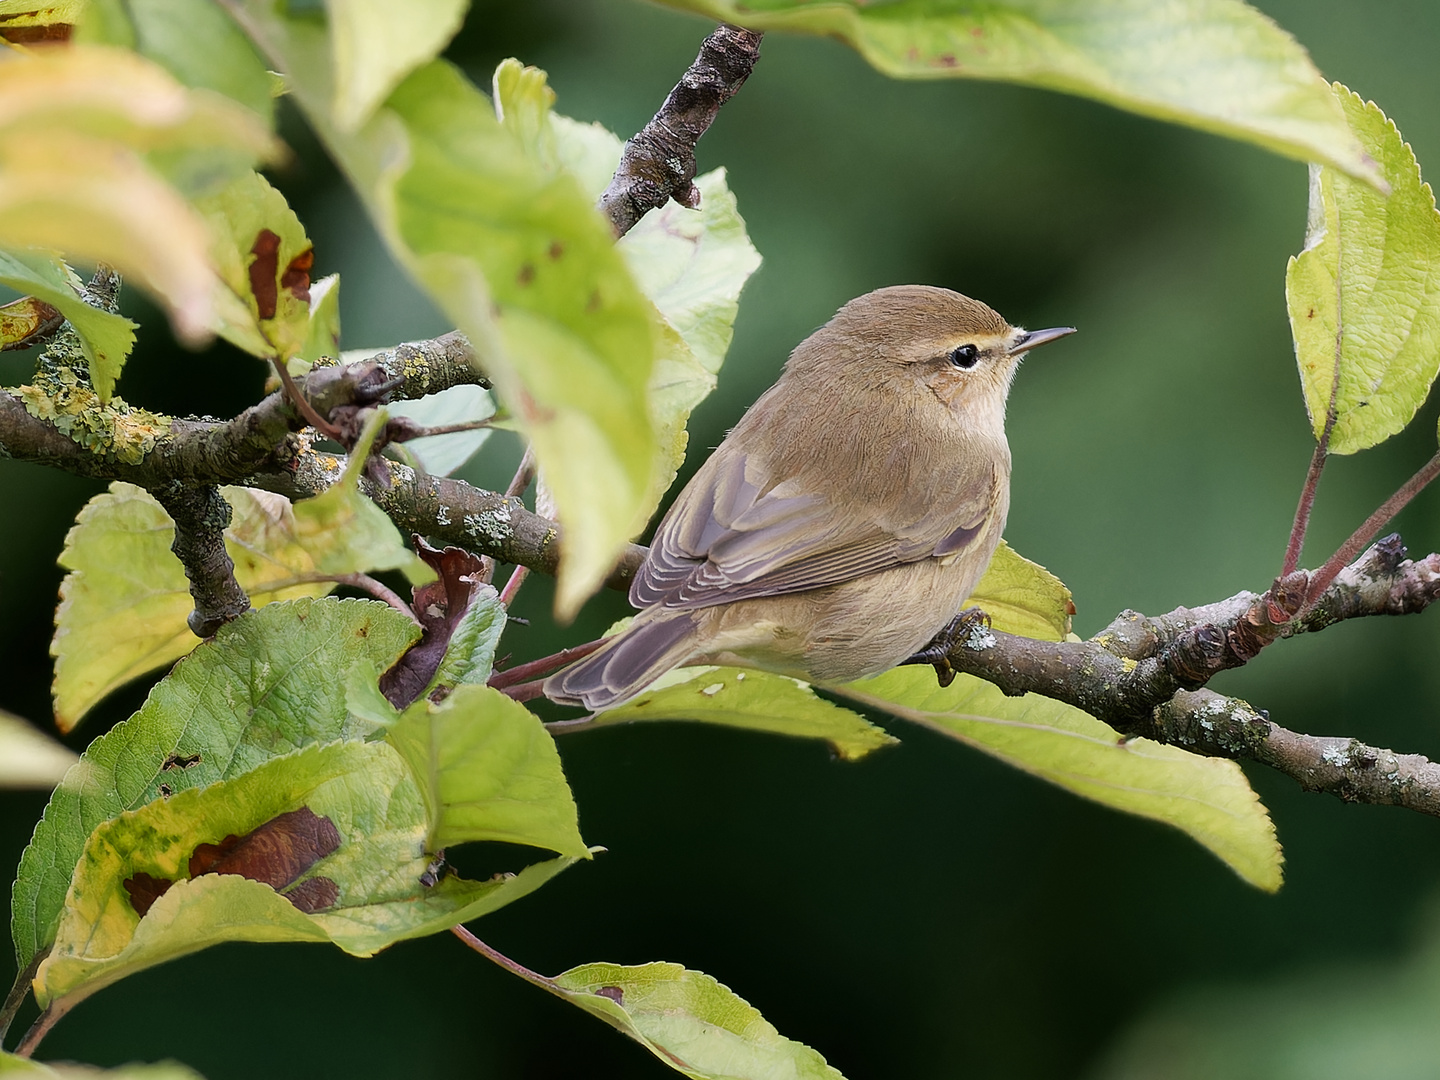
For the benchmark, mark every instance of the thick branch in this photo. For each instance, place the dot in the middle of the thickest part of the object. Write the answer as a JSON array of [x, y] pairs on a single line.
[[447, 510], [1142, 676], [1219, 726], [201, 516], [265, 446], [659, 162]]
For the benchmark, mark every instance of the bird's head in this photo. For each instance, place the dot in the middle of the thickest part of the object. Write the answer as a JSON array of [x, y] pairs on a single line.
[[917, 338]]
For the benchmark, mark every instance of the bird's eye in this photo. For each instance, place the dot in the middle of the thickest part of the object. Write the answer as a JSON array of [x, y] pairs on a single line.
[[965, 356]]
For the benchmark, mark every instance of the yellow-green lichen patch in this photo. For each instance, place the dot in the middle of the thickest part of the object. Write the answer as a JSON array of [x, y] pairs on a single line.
[[116, 430]]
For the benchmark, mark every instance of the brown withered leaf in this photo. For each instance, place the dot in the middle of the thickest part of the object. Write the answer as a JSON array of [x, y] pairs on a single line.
[[277, 853], [439, 605], [144, 890]]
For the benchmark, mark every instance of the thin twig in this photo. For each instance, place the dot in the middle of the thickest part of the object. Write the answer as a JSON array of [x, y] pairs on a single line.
[[658, 164], [364, 582], [524, 474]]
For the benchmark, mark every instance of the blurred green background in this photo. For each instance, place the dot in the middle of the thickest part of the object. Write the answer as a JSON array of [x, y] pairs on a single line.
[[926, 913]]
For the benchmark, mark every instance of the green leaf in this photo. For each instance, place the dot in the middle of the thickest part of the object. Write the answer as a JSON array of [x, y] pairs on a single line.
[[194, 40], [107, 339], [513, 251], [372, 892], [322, 336], [1208, 798], [18, 1068], [270, 682], [691, 264], [124, 602], [1364, 294], [489, 771], [753, 700], [1217, 65], [689, 1021], [85, 135], [1022, 597], [470, 653], [28, 757], [375, 44], [263, 257]]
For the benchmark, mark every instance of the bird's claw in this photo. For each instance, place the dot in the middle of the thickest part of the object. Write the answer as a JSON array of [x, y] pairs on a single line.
[[937, 652]]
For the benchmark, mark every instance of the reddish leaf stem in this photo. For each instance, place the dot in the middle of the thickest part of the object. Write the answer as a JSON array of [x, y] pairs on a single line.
[[1307, 502], [499, 958], [543, 666], [318, 422], [1320, 580], [43, 1023], [1322, 446]]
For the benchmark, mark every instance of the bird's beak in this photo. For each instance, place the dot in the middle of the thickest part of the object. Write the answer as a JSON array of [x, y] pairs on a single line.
[[1034, 338]]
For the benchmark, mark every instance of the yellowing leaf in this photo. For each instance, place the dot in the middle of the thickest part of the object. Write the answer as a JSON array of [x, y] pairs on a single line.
[[263, 258], [511, 249], [752, 700], [1364, 294], [376, 43], [691, 264], [105, 338], [1022, 597], [1217, 65], [28, 757], [689, 1021], [1208, 798], [81, 129], [366, 887], [194, 40], [268, 683], [18, 1068], [124, 602]]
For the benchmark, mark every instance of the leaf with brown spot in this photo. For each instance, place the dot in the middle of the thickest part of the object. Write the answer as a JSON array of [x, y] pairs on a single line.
[[265, 260], [277, 853], [297, 275], [315, 894], [266, 250], [361, 795], [461, 619], [145, 889]]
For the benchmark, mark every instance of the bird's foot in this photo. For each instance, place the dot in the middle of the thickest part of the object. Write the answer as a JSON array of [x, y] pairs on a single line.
[[937, 652]]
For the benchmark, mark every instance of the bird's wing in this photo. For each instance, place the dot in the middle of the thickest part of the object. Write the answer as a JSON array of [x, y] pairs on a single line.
[[724, 540]]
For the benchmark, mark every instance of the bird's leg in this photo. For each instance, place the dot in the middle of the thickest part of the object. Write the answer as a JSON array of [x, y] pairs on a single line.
[[937, 653]]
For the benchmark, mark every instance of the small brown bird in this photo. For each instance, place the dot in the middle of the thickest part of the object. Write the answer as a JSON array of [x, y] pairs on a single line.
[[845, 519]]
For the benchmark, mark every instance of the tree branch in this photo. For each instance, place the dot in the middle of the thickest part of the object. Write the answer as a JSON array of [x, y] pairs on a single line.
[[1142, 676], [266, 446], [658, 164], [201, 516]]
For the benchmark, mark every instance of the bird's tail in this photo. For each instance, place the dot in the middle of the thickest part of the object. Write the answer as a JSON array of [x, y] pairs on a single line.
[[630, 661]]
